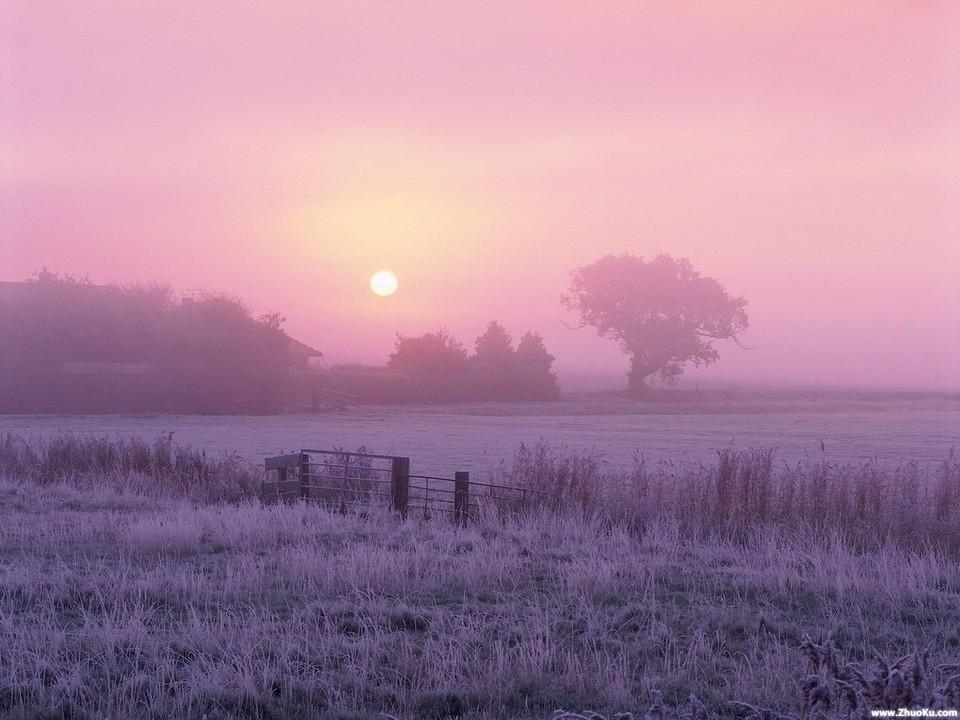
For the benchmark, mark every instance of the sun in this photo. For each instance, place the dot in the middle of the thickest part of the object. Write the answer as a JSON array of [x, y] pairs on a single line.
[[383, 283]]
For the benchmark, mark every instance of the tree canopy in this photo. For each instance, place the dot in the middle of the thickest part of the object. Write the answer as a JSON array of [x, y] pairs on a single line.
[[662, 312], [441, 371], [436, 363]]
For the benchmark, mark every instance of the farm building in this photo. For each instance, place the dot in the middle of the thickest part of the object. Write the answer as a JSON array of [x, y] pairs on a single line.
[[71, 346]]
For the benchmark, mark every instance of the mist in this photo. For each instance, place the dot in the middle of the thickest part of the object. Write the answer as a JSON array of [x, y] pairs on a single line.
[[804, 156], [470, 361]]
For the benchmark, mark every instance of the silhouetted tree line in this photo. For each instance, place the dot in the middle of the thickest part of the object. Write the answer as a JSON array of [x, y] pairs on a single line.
[[441, 369], [68, 345]]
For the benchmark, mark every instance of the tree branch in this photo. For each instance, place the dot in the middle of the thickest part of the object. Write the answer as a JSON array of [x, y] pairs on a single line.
[[736, 340]]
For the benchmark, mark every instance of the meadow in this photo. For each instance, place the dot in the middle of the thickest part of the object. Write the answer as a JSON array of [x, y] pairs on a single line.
[[139, 578], [852, 427]]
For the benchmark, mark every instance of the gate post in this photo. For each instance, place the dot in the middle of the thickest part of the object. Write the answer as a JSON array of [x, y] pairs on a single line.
[[461, 496], [399, 484], [304, 475]]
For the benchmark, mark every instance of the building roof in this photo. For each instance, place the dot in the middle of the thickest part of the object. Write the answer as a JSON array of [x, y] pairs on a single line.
[[302, 349], [13, 293]]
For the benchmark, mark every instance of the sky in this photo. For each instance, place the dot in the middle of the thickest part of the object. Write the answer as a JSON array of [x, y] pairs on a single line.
[[805, 154]]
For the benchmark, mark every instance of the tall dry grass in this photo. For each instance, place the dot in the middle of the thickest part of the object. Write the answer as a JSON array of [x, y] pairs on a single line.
[[160, 468], [870, 503]]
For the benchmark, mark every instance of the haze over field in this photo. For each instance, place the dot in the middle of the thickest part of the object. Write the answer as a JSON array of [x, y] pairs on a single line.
[[804, 154], [340, 343], [479, 438]]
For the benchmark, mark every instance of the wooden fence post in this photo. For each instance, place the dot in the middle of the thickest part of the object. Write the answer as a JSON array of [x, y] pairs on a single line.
[[399, 484], [461, 496], [304, 475]]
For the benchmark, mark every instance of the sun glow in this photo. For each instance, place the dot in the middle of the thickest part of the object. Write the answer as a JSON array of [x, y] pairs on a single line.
[[384, 283]]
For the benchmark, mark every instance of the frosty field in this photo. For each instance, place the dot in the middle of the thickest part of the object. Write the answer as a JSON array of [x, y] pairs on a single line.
[[440, 439], [142, 580], [123, 605]]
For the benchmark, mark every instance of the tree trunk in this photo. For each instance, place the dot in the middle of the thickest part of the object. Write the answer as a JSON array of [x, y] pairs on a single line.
[[636, 378]]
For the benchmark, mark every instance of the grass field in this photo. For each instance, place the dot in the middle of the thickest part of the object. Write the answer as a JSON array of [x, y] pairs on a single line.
[[141, 593], [441, 439], [122, 606]]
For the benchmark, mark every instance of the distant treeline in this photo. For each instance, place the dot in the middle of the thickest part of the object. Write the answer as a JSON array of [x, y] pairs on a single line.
[[441, 370], [70, 346]]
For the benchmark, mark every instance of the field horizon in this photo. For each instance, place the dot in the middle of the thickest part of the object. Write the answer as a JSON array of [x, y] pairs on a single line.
[[847, 426]]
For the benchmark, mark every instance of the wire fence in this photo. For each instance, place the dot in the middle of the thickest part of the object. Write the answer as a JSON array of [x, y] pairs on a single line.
[[360, 481]]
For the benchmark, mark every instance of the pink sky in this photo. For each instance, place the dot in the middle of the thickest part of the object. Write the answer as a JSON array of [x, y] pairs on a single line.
[[806, 154]]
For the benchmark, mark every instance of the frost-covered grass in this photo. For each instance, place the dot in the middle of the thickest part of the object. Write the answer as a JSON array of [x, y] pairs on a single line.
[[854, 427], [122, 605], [868, 503], [156, 468], [142, 579]]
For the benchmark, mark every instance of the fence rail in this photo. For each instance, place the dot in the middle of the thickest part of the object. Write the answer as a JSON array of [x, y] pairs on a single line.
[[361, 480]]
